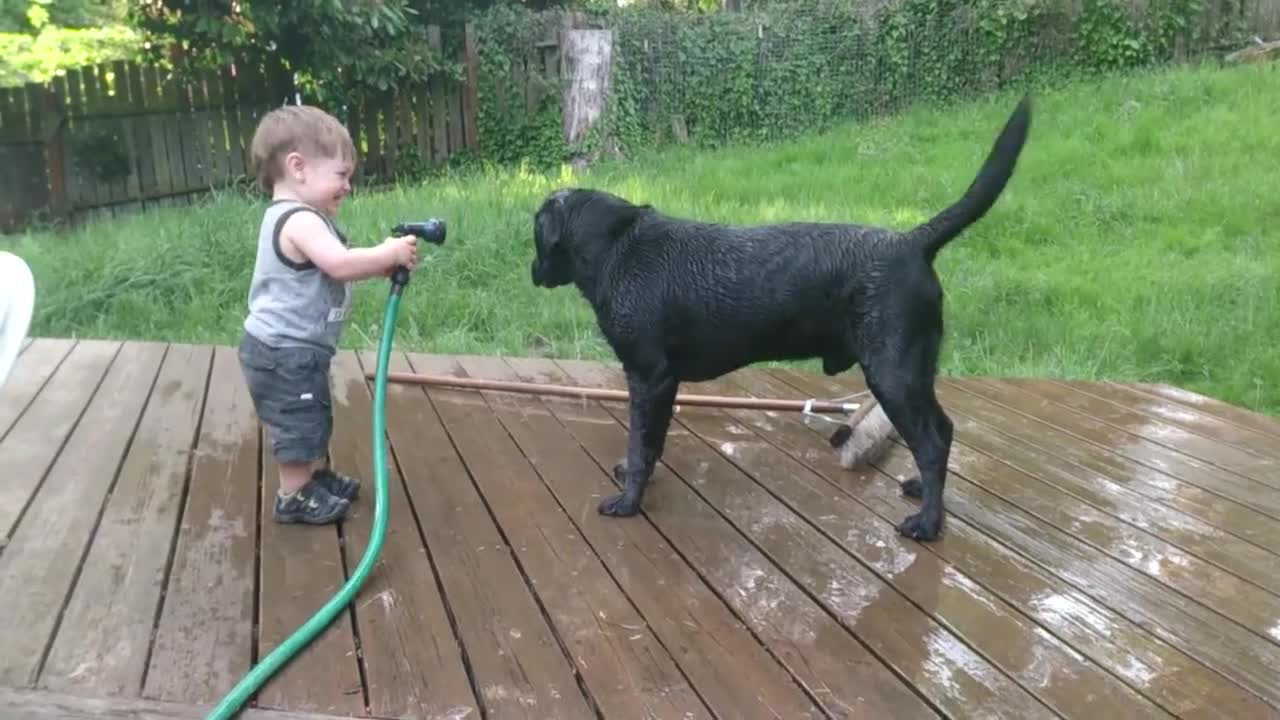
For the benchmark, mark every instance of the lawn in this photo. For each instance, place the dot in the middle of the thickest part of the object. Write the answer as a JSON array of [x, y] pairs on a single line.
[[1137, 240]]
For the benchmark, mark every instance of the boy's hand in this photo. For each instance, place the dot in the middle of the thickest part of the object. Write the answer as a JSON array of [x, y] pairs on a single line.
[[403, 252]]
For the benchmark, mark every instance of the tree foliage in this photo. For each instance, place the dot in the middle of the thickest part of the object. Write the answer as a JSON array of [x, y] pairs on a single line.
[[32, 16], [39, 38], [338, 48]]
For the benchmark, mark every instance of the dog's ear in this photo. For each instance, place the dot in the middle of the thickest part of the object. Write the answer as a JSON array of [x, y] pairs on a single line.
[[549, 223], [610, 216]]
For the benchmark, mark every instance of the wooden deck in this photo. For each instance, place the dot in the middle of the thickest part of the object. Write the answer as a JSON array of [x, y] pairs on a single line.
[[1102, 558]]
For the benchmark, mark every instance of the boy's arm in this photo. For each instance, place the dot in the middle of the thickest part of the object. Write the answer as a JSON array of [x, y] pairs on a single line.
[[307, 236]]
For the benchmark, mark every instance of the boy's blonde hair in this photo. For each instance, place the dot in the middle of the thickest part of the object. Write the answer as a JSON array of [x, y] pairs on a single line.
[[301, 128]]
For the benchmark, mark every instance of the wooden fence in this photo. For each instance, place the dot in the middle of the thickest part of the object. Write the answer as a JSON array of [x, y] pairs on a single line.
[[124, 135]]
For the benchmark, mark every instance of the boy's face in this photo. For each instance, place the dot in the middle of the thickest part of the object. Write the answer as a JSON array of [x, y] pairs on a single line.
[[321, 182]]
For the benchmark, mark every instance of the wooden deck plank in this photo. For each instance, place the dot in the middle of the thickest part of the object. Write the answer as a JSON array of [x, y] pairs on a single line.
[[1100, 557], [204, 638], [1243, 417], [300, 568], [28, 377], [1177, 440], [1102, 493], [1040, 662], [1246, 602], [688, 618], [414, 664], [43, 705], [943, 668], [836, 668], [1229, 648], [1248, 492], [1197, 630], [1158, 670], [1188, 418], [104, 639], [671, 602], [32, 445], [518, 667], [625, 668], [39, 566], [1229, 515], [1221, 513]]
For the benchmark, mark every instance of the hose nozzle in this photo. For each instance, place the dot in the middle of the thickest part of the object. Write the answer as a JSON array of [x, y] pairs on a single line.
[[432, 230]]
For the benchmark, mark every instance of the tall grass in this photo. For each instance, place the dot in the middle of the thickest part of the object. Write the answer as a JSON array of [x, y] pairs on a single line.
[[1137, 240]]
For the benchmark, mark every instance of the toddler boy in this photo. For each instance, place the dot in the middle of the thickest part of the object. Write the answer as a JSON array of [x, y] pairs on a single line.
[[300, 299]]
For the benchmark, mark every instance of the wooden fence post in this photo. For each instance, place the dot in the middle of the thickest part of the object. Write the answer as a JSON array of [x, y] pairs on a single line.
[[53, 119], [471, 95], [439, 110]]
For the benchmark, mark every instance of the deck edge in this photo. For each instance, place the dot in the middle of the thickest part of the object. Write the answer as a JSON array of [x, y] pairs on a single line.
[[30, 704]]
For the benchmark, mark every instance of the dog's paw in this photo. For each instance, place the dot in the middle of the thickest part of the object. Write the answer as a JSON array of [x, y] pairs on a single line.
[[620, 505], [912, 488], [922, 526]]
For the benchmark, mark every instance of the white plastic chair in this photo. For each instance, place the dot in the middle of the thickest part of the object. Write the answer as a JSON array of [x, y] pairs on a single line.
[[17, 300]]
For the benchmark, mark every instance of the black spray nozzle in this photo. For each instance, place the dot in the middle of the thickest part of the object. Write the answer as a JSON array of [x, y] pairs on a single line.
[[432, 230]]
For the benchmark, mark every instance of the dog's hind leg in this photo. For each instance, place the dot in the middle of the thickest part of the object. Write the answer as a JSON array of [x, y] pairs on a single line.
[[651, 405], [905, 389]]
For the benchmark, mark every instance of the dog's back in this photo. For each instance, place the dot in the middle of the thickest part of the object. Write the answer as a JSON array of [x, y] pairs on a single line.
[[718, 297]]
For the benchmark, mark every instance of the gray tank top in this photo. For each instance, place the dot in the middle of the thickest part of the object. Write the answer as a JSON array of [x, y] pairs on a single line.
[[291, 303]]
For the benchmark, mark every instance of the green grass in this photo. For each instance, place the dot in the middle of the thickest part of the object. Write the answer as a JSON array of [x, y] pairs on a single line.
[[1137, 241]]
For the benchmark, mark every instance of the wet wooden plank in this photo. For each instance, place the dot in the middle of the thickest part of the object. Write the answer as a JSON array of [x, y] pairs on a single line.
[[1150, 665], [818, 651], [413, 661], [104, 639], [1174, 439], [678, 607], [28, 377], [1228, 595], [1247, 658], [204, 638], [673, 604], [1185, 417], [625, 668], [1258, 496], [1041, 663], [1226, 515], [35, 440], [1105, 494], [518, 667], [1236, 415], [42, 560], [44, 705], [300, 569], [1194, 628], [1106, 469], [711, 459]]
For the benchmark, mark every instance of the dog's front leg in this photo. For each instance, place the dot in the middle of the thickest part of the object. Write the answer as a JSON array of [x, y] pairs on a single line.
[[651, 405]]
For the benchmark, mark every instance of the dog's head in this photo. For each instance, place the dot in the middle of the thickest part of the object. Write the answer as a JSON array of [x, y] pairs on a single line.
[[572, 229]]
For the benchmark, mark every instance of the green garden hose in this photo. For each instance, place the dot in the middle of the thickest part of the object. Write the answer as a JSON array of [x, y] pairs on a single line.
[[433, 231]]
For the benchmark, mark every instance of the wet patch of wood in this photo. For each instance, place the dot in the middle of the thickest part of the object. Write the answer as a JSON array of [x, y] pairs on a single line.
[[1109, 551]]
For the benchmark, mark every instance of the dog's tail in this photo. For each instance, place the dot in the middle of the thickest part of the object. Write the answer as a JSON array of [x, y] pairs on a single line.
[[986, 188]]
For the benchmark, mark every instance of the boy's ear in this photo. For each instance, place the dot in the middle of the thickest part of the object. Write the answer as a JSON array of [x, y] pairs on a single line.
[[293, 165]]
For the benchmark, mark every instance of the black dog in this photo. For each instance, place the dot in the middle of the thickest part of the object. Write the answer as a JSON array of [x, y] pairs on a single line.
[[681, 300]]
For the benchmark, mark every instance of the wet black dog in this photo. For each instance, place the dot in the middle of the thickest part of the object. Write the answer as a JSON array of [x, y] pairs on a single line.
[[681, 300]]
